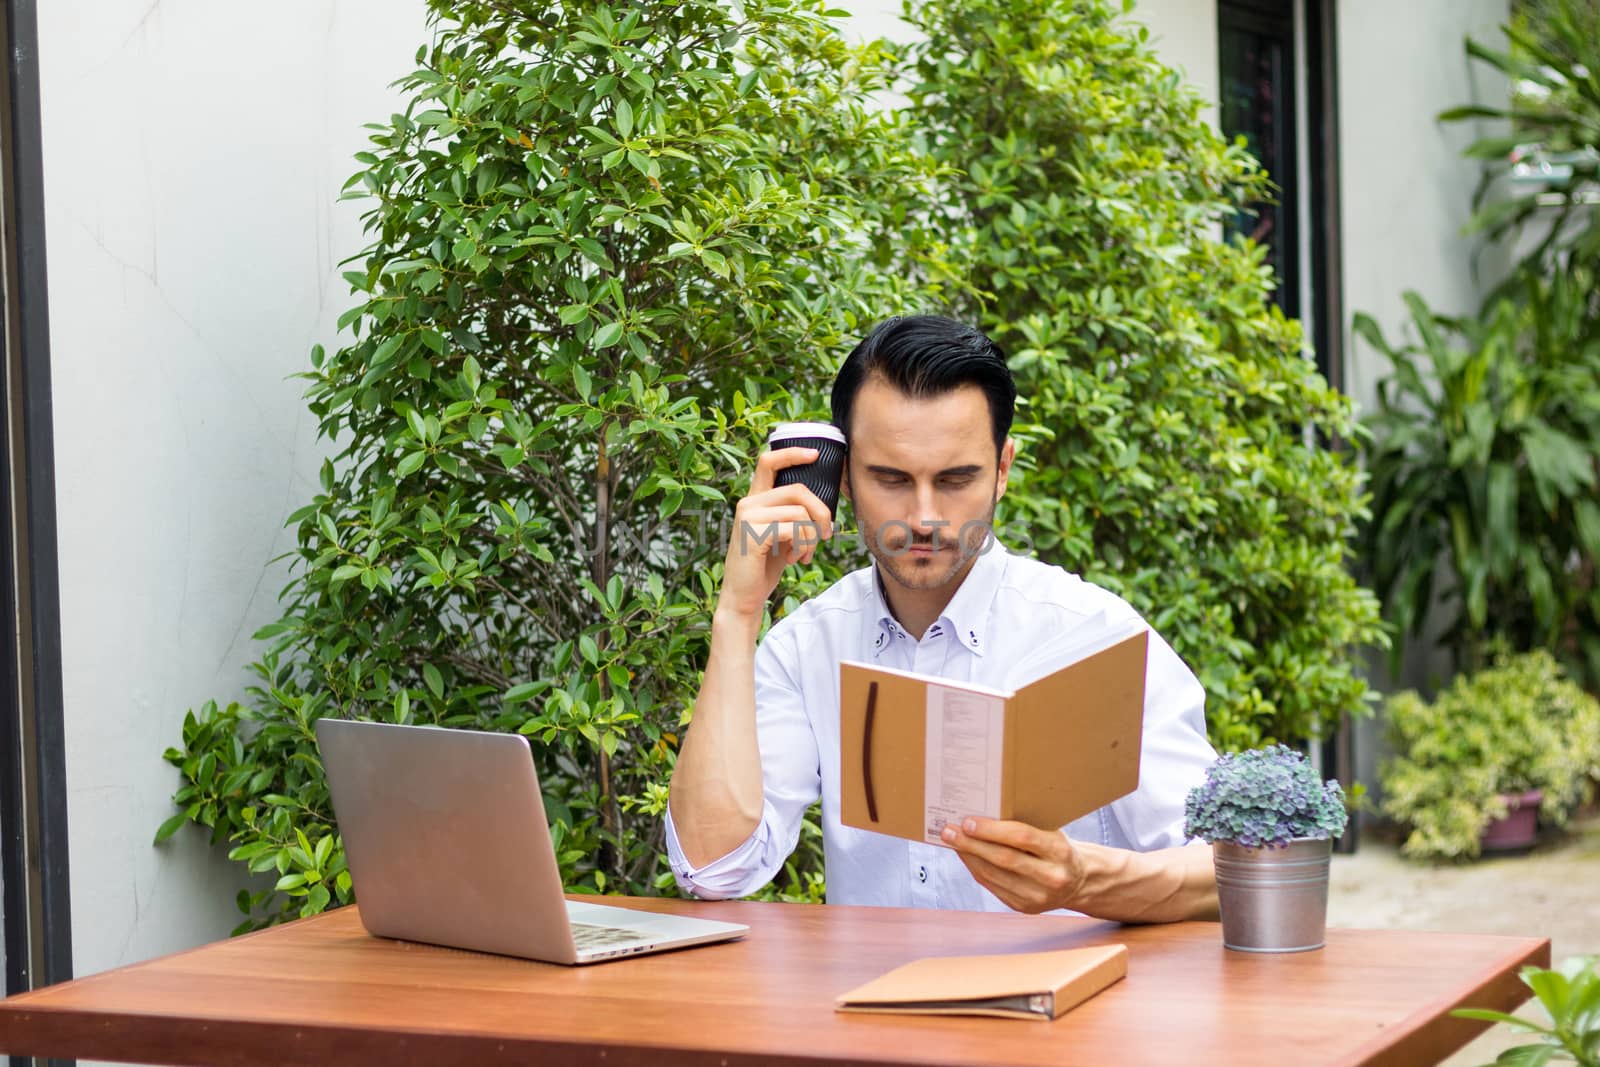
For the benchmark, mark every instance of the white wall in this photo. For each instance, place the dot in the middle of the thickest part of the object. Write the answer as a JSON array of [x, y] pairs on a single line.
[[193, 153], [871, 19], [1406, 190], [1407, 193], [1185, 35]]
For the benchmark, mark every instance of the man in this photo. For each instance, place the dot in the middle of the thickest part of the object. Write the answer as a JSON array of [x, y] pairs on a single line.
[[926, 405]]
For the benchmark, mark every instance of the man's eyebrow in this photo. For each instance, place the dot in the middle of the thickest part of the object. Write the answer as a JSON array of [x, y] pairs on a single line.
[[969, 469]]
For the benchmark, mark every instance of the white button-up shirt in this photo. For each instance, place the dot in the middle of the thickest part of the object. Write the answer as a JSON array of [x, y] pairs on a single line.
[[1004, 606]]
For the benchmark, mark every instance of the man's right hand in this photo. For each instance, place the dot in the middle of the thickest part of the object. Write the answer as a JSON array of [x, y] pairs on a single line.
[[772, 528]]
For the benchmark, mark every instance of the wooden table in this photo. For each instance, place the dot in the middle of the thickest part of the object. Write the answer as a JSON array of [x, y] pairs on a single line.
[[322, 991]]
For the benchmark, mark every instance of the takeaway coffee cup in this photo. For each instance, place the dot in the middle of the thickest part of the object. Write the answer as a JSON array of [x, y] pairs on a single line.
[[823, 474]]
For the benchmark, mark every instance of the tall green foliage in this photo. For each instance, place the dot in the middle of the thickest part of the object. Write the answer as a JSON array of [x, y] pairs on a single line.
[[1178, 453], [1485, 453], [609, 246], [1482, 459]]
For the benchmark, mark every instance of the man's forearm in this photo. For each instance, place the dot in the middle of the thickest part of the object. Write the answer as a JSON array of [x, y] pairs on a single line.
[[1169, 885], [716, 792]]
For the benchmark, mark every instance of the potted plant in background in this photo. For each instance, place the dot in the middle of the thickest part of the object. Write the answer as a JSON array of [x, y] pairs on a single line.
[[1270, 820], [1500, 747]]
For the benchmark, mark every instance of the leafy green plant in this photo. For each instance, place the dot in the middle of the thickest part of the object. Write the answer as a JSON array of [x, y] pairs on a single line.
[[1570, 997], [1483, 470], [1541, 176], [1486, 447], [1173, 421], [1516, 725], [1264, 798], [609, 247]]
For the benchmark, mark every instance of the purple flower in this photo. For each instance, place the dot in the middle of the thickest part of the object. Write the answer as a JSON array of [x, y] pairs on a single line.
[[1264, 797]]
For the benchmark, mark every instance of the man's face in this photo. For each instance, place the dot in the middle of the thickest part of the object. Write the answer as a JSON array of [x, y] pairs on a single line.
[[923, 479]]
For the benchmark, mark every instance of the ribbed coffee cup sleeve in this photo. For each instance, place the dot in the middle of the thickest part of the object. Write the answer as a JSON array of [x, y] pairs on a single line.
[[822, 475]]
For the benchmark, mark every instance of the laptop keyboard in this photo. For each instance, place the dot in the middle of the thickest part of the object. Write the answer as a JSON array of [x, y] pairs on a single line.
[[587, 935]]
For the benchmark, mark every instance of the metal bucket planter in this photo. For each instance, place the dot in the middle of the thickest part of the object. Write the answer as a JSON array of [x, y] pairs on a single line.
[[1273, 899]]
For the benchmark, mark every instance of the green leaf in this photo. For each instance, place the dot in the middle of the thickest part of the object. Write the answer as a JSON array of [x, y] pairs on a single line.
[[347, 572], [608, 335], [170, 827], [524, 692], [1552, 988]]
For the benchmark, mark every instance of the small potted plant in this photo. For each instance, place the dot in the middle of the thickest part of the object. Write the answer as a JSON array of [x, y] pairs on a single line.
[[1271, 821], [1499, 748]]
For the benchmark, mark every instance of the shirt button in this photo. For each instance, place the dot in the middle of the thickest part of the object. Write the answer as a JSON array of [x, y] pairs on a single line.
[[922, 873]]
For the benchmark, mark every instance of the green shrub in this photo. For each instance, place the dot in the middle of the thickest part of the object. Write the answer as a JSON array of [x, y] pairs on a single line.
[[1175, 452], [1485, 453], [1517, 725], [1483, 457], [609, 247]]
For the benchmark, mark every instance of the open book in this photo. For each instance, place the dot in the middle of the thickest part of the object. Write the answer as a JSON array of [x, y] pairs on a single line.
[[1026, 985], [917, 751]]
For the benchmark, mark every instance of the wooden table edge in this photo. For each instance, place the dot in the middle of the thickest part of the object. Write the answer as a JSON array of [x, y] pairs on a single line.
[[194, 1041], [1432, 1033], [183, 1041]]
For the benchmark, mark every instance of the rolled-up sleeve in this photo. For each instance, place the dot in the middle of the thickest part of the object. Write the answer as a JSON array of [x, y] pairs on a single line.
[[790, 773], [1175, 756]]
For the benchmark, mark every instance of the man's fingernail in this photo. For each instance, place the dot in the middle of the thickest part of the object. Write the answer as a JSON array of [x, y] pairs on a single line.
[[949, 834], [970, 826]]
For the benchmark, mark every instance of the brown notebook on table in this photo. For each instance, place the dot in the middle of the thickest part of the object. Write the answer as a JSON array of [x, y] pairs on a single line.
[[1025, 985], [917, 751]]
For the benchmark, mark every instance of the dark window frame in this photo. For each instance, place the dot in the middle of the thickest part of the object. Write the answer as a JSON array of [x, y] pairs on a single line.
[[1273, 20], [1313, 53], [1322, 157], [33, 807]]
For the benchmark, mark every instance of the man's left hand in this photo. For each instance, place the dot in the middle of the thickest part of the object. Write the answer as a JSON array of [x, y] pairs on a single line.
[[1029, 869]]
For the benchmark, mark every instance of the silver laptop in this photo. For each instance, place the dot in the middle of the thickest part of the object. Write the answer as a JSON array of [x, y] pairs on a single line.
[[446, 839]]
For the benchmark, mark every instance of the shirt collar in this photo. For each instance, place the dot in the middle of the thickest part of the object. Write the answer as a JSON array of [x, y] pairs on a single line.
[[965, 618]]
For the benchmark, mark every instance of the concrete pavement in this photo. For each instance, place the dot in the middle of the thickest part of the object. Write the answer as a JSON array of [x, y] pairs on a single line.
[[1553, 891]]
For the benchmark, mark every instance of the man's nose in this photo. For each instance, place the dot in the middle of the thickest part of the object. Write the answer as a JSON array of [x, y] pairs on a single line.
[[926, 518]]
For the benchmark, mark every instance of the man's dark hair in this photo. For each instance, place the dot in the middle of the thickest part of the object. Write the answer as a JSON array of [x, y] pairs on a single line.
[[923, 356]]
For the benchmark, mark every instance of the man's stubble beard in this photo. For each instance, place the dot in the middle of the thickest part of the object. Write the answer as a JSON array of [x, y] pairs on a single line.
[[899, 564]]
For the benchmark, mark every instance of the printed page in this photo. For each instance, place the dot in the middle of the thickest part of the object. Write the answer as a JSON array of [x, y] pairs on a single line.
[[964, 752]]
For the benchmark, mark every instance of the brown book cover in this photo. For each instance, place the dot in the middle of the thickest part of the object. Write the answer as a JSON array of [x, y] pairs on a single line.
[[1026, 985], [916, 751]]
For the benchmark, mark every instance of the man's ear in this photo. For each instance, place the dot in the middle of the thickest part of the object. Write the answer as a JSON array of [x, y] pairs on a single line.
[[1007, 454], [844, 483]]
